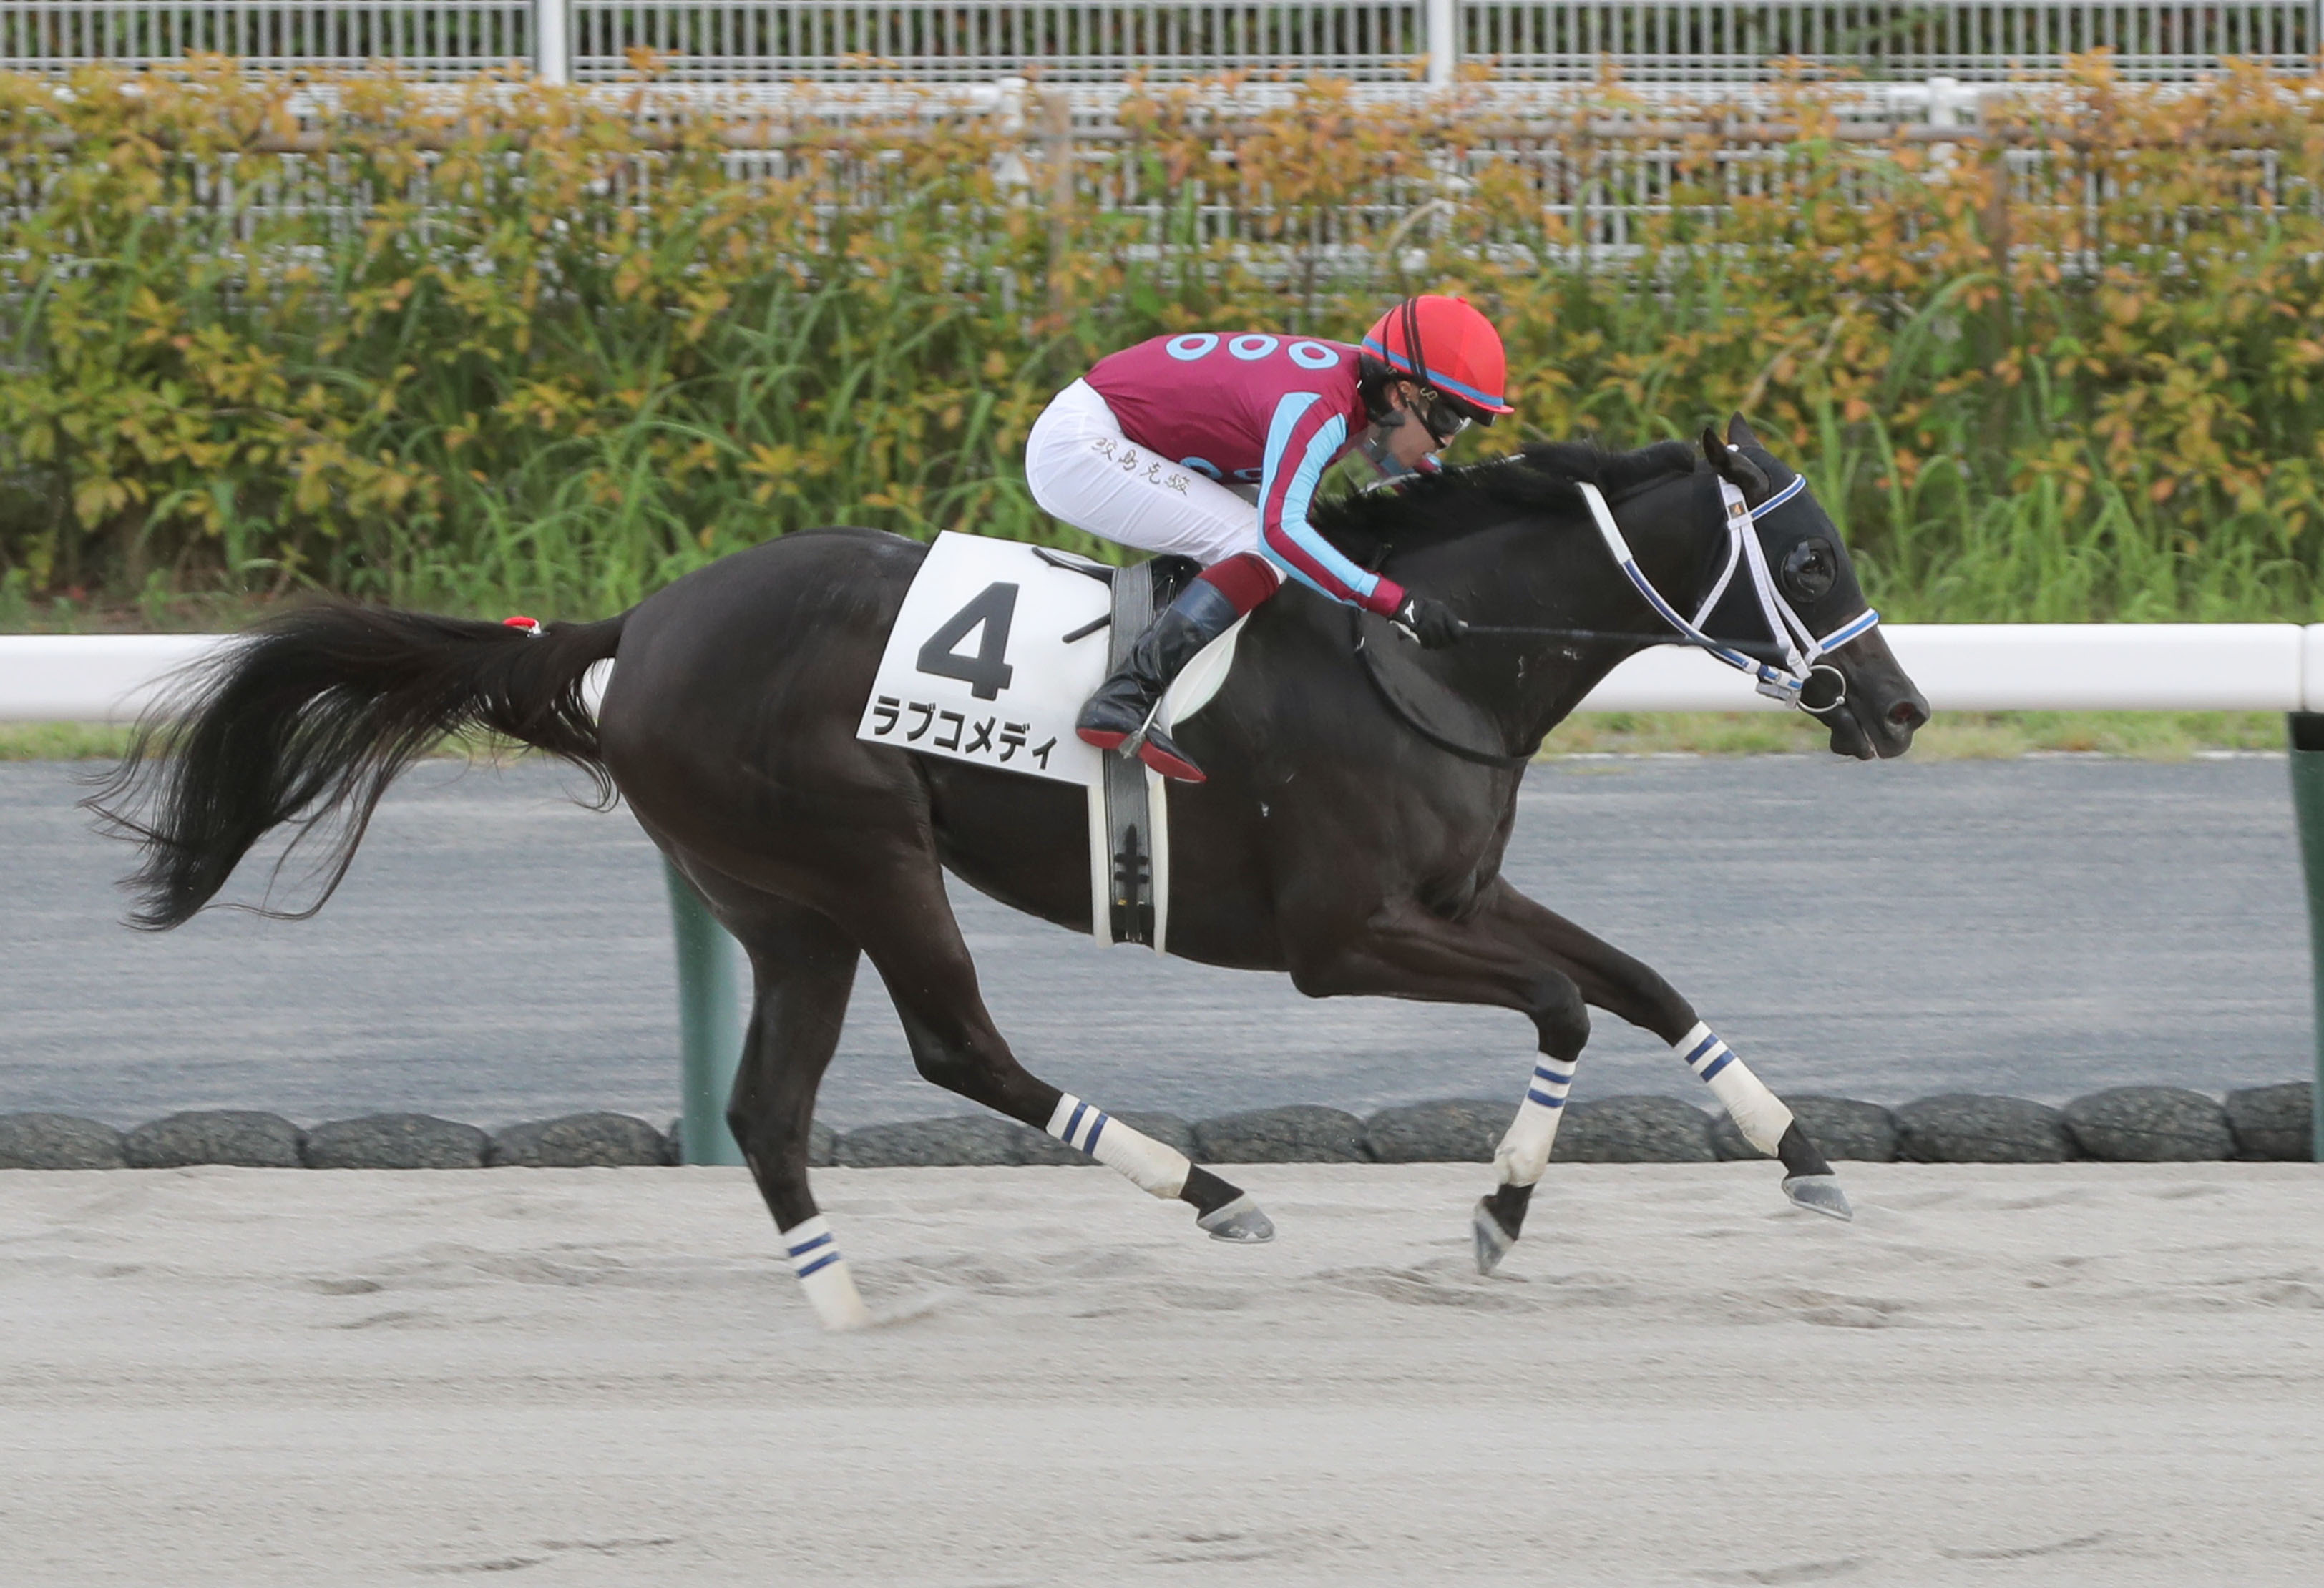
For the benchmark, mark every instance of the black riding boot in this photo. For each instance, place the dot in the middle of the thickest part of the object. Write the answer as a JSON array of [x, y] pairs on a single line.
[[1123, 702]]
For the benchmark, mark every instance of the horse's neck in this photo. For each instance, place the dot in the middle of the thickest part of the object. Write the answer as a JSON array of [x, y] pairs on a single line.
[[1557, 574]]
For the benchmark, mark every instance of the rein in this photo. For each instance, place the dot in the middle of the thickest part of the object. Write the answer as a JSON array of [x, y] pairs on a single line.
[[1404, 714], [1759, 648], [1780, 667]]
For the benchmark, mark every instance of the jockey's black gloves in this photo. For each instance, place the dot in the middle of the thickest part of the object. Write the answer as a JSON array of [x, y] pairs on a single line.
[[1432, 623]]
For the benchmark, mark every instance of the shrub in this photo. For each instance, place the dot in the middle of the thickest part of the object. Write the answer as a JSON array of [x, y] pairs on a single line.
[[517, 345]]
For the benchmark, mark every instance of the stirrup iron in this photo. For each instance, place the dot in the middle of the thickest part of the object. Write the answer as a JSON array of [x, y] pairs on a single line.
[[1128, 748]]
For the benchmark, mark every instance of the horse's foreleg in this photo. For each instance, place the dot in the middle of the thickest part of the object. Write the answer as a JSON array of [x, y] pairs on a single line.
[[1479, 959], [1765, 1119], [917, 945], [1613, 981]]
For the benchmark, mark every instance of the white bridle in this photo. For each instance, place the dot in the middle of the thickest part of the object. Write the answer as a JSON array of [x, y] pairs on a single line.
[[1802, 647]]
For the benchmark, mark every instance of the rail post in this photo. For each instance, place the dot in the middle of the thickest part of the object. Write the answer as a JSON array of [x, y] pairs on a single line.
[[1443, 25], [2307, 755], [552, 48], [709, 1023]]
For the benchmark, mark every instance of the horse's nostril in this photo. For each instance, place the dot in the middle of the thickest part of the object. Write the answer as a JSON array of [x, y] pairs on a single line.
[[1908, 712]]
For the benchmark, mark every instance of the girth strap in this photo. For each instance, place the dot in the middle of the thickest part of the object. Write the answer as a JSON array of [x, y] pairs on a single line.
[[1134, 865]]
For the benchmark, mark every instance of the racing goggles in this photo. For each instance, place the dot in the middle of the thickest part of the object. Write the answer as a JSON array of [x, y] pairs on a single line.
[[1443, 421]]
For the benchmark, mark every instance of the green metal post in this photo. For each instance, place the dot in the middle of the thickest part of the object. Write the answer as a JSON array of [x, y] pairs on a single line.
[[2307, 802], [709, 1023]]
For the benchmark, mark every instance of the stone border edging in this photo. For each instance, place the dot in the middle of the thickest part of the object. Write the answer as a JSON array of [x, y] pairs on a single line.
[[2123, 1124]]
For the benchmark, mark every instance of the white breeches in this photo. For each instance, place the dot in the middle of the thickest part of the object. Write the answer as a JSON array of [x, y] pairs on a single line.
[[1081, 469]]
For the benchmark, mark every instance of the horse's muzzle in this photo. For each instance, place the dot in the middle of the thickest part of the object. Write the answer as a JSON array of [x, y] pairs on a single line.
[[1883, 709]]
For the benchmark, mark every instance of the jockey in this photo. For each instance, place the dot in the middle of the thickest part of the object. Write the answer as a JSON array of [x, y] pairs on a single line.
[[1211, 445]]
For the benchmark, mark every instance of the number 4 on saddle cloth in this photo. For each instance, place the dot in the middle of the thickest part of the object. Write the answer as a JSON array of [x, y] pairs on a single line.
[[996, 648]]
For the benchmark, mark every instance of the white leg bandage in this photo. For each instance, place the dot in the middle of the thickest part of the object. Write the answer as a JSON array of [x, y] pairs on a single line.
[[1524, 1152], [1150, 1166], [1757, 1112], [823, 1275]]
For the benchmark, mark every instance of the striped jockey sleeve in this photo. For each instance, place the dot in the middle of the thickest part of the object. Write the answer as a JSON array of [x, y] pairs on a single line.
[[1302, 441]]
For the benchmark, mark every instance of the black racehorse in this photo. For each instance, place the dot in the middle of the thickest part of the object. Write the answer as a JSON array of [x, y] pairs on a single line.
[[1345, 837]]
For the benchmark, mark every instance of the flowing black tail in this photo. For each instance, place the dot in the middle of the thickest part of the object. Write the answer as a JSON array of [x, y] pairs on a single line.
[[309, 718]]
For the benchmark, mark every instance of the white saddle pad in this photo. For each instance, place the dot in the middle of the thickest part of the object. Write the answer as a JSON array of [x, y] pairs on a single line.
[[980, 665]]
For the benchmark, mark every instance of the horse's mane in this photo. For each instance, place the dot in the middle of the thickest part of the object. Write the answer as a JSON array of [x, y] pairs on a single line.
[[1542, 475]]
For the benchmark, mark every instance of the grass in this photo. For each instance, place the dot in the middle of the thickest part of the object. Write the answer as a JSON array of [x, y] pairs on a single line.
[[1955, 736], [1962, 736], [62, 741]]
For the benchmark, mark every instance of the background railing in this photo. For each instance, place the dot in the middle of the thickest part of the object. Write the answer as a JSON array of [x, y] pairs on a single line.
[[2059, 667], [1958, 666], [1378, 42], [430, 38]]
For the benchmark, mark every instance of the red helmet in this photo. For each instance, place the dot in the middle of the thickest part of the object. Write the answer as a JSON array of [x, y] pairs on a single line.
[[1448, 347]]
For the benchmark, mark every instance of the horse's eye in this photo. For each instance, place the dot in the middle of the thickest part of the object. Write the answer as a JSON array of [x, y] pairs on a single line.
[[1809, 570]]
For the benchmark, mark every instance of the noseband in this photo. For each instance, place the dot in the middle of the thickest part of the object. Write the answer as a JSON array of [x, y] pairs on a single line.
[[1799, 644]]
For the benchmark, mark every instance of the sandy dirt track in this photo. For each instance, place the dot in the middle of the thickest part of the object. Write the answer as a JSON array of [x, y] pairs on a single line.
[[2080, 1374]]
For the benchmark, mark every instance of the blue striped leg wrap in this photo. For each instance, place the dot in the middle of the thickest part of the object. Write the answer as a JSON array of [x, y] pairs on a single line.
[[1524, 1152], [823, 1275], [1079, 1125], [1155, 1169], [1551, 1080], [1757, 1112], [1704, 1052], [811, 1247]]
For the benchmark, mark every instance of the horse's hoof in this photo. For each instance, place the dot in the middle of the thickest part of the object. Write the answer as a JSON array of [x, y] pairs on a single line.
[[1819, 1193], [1493, 1242], [1239, 1221]]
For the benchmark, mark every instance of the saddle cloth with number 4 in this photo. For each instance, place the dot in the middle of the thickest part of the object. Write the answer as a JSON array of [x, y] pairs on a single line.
[[996, 648], [998, 645]]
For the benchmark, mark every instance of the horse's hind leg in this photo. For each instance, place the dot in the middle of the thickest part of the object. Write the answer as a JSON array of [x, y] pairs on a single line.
[[803, 969], [908, 929], [802, 972]]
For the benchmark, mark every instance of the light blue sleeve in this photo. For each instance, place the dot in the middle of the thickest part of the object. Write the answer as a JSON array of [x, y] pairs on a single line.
[[1300, 445]]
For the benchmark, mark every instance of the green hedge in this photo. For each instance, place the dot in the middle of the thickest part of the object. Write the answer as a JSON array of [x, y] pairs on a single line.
[[527, 347]]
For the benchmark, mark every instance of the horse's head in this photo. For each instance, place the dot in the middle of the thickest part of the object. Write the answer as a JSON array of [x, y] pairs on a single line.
[[1857, 689]]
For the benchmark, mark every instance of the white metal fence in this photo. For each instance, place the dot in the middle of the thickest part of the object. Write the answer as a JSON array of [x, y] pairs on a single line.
[[426, 37], [1374, 41]]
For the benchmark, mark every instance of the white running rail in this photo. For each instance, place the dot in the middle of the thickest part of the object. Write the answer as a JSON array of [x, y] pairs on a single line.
[[1960, 667], [853, 41]]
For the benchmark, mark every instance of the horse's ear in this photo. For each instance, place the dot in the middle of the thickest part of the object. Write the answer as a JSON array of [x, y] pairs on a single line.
[[1738, 433], [1740, 471]]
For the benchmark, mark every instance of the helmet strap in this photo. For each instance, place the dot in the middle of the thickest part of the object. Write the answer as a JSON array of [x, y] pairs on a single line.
[[1374, 450]]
